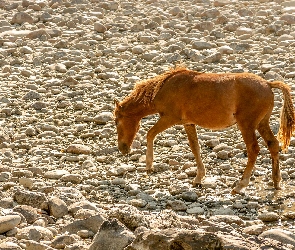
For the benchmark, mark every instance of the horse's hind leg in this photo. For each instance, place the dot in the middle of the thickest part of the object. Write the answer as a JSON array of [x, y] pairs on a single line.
[[163, 123], [273, 147], [250, 140], [190, 129]]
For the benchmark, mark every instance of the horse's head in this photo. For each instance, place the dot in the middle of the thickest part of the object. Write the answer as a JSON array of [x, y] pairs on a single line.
[[127, 127]]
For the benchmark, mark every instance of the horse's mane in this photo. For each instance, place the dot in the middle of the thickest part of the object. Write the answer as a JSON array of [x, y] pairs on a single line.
[[146, 90]]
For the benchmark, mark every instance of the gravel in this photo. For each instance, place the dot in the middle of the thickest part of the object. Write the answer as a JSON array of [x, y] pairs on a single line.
[[62, 64]]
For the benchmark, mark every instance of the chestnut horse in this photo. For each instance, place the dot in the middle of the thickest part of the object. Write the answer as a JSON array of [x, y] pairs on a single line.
[[213, 101]]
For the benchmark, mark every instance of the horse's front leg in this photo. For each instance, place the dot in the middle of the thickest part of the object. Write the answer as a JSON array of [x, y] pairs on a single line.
[[162, 124], [190, 130]]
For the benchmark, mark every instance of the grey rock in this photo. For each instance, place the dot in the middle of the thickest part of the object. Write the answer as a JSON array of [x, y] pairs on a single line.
[[200, 45], [34, 199], [130, 216], [92, 223], [7, 245], [22, 17], [78, 149], [35, 233], [176, 205], [32, 95], [103, 118], [269, 216], [112, 235], [9, 222], [61, 241], [30, 213], [57, 207], [175, 239], [280, 235]]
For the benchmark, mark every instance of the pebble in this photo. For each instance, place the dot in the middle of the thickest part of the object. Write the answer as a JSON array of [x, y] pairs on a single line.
[[78, 149], [268, 216], [56, 174]]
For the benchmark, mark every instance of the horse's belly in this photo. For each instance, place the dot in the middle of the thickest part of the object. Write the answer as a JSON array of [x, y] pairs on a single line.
[[214, 121]]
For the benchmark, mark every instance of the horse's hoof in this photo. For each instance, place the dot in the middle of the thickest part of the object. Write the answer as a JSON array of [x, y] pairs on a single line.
[[149, 171], [198, 185], [235, 192]]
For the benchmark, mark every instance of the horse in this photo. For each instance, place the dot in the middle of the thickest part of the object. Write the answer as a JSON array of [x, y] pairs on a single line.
[[213, 101]]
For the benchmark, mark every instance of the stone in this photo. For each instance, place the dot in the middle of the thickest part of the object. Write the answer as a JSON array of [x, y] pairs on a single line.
[[22, 17], [39, 105], [195, 210], [75, 207], [56, 174], [35, 233], [61, 241], [103, 118], [228, 219], [268, 216], [176, 205], [175, 239], [32, 95], [30, 213], [138, 49], [99, 27], [9, 222], [38, 34], [33, 245], [280, 235], [73, 178], [34, 199], [201, 45], [92, 223], [189, 196], [7, 245], [255, 229], [57, 207], [112, 235], [288, 18], [130, 216], [78, 149]]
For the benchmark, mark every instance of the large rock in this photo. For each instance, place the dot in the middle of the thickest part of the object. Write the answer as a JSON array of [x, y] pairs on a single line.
[[175, 239], [57, 207], [22, 17], [34, 199], [130, 216], [7, 245], [35, 233], [30, 213], [280, 235], [112, 235], [92, 223], [8, 222]]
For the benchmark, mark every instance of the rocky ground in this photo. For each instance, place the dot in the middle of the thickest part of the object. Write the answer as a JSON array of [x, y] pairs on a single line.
[[63, 182]]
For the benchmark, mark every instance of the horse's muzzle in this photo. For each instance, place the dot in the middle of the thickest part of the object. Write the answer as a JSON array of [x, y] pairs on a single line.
[[124, 149]]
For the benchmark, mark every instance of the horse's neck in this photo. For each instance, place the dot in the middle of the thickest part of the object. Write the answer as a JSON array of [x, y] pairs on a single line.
[[139, 109]]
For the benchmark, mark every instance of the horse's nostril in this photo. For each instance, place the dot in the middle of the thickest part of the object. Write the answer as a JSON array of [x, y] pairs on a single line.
[[124, 149]]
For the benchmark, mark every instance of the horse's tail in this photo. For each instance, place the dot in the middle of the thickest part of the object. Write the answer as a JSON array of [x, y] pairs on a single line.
[[287, 123]]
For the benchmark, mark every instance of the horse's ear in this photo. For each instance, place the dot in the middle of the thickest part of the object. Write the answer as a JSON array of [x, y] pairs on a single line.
[[117, 103]]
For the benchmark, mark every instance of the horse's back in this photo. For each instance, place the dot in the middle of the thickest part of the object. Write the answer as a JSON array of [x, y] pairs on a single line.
[[212, 100]]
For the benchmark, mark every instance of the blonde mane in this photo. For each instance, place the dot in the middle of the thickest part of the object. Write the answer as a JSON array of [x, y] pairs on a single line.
[[146, 90]]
